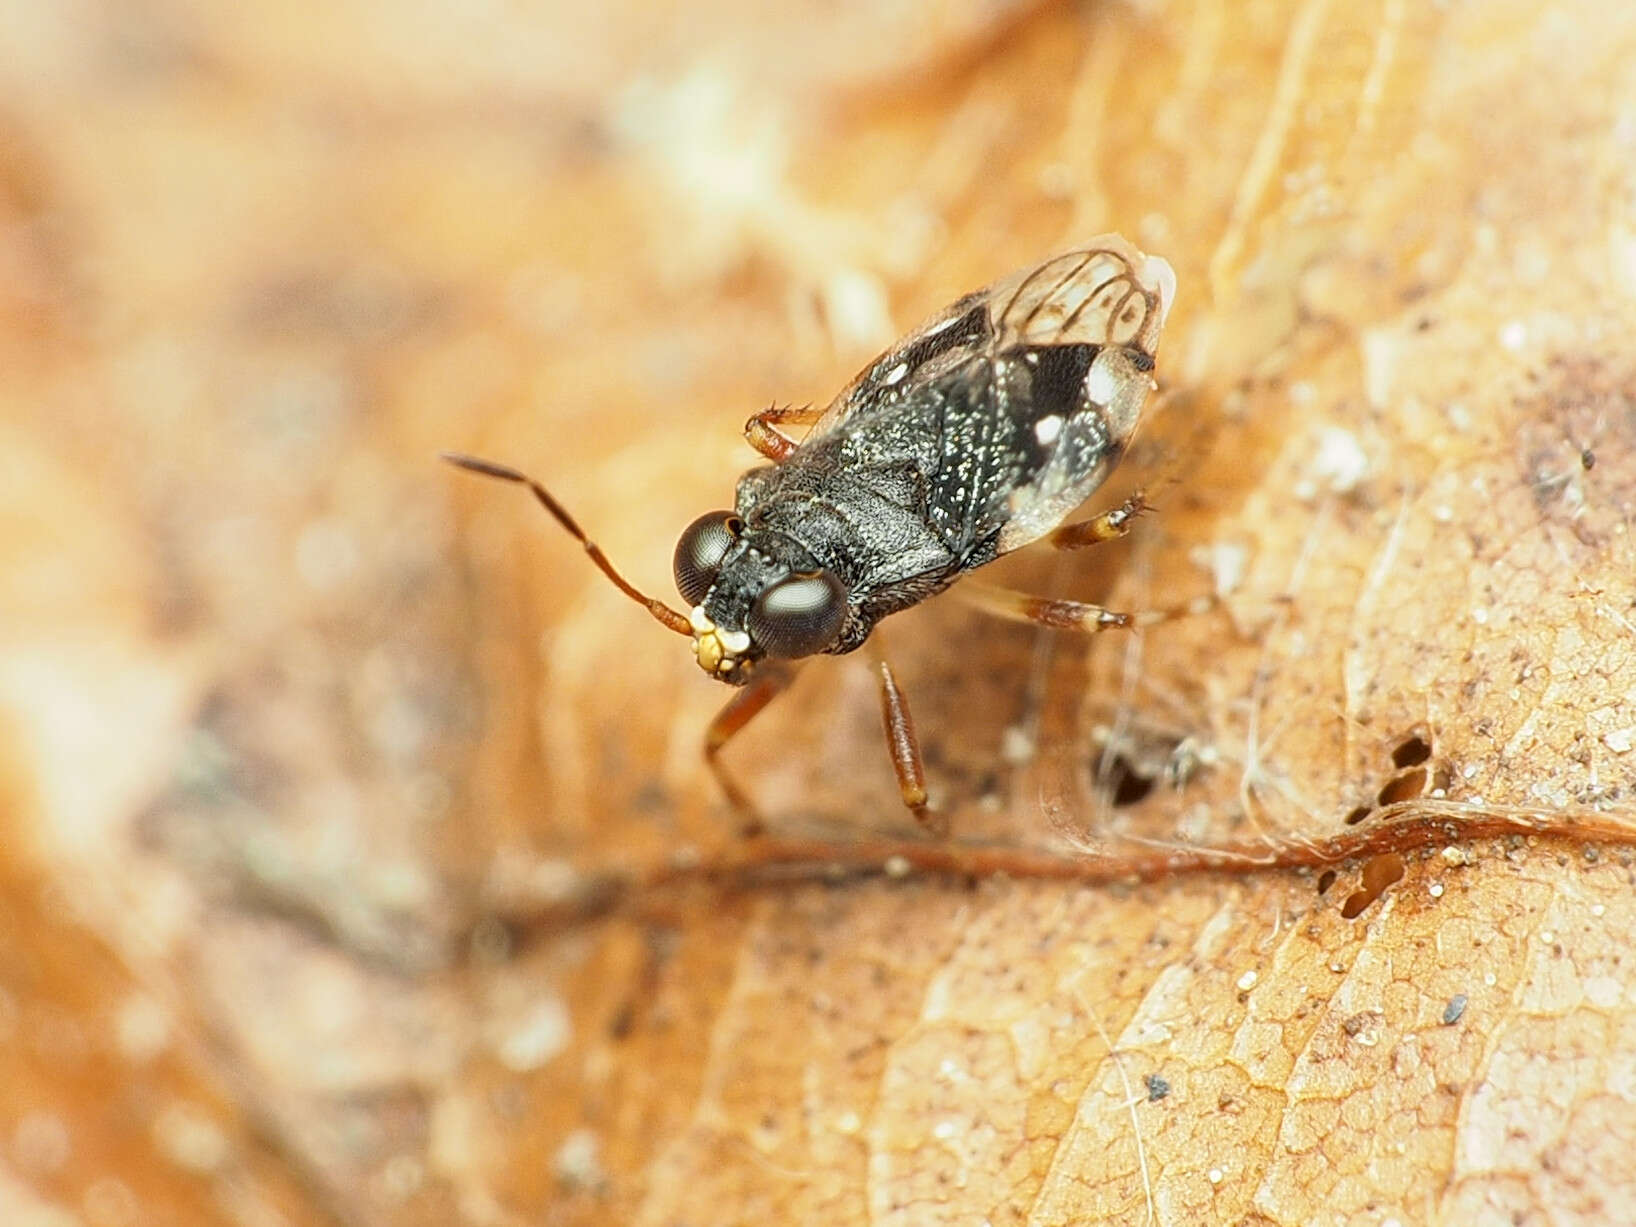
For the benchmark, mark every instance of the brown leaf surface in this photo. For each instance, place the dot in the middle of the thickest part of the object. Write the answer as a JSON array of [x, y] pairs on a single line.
[[359, 863]]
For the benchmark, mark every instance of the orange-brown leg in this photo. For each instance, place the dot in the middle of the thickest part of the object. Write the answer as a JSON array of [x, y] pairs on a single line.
[[1079, 616], [1108, 526], [905, 748], [1057, 615], [743, 707], [761, 432]]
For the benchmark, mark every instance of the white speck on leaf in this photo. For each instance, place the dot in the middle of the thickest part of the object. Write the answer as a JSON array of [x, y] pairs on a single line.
[[542, 1033]]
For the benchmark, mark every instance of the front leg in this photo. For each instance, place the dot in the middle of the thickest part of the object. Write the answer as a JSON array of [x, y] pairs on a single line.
[[737, 712], [761, 431]]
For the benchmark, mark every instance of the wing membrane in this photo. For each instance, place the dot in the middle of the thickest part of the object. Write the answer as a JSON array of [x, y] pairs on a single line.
[[1013, 403], [1104, 293]]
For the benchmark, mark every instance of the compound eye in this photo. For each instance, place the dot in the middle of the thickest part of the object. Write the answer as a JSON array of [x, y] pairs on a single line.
[[798, 616], [703, 545]]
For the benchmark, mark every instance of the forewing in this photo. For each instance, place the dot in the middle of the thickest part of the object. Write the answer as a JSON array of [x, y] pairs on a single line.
[[960, 334], [1095, 312], [1034, 385], [1087, 438], [1105, 292]]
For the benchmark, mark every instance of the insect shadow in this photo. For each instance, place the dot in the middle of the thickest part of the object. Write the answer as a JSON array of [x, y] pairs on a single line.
[[978, 433]]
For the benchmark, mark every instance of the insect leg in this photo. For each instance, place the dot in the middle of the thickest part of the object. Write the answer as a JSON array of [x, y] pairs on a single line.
[[743, 707], [1108, 526], [905, 748], [1079, 616], [761, 431], [1042, 611]]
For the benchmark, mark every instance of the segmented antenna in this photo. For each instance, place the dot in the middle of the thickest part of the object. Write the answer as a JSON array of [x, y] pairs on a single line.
[[661, 612]]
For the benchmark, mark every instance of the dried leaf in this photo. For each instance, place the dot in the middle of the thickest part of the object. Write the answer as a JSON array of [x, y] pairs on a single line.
[[361, 866]]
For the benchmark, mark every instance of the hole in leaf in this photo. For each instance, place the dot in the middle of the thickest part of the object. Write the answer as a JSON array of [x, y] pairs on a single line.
[[1379, 872], [1405, 787], [1127, 785], [1411, 752], [1326, 879], [1358, 814]]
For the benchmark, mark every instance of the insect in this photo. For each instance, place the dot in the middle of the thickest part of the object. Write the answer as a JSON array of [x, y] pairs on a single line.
[[978, 433]]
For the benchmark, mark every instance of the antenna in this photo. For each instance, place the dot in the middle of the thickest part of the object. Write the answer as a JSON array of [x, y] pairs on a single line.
[[662, 613]]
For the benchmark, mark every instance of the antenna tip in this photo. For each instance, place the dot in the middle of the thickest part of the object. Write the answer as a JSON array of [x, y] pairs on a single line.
[[475, 464]]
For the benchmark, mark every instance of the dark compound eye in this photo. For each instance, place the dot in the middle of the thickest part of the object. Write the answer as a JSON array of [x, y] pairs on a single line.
[[703, 545], [798, 616]]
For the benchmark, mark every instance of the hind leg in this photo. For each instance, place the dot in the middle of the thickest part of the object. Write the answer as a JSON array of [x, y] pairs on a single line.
[[1081, 616], [1109, 526]]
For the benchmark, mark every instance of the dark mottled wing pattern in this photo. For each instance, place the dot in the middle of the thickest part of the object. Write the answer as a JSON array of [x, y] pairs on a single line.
[[1012, 404]]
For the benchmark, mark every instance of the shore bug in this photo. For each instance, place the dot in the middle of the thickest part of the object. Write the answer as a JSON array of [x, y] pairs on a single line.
[[976, 434]]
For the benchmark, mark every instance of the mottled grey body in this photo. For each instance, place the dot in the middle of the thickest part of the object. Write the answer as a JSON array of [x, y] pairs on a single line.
[[911, 492], [976, 434]]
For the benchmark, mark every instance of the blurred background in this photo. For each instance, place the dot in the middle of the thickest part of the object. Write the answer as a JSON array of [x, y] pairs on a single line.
[[299, 729]]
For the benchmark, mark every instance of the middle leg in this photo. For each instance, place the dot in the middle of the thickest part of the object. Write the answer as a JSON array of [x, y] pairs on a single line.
[[905, 750]]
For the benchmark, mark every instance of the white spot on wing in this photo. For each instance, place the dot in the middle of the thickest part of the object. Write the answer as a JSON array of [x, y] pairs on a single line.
[[896, 374], [1047, 429], [1101, 384]]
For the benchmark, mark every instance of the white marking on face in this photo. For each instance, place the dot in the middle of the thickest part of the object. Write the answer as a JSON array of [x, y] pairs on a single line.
[[719, 652], [1046, 430], [896, 374]]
